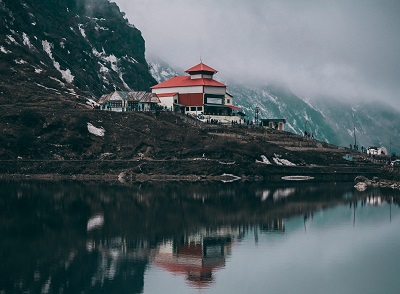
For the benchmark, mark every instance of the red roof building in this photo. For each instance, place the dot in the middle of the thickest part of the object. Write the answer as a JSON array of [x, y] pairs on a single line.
[[196, 93], [196, 260], [201, 67]]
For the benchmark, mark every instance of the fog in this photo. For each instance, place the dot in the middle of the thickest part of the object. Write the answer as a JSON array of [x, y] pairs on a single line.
[[343, 49]]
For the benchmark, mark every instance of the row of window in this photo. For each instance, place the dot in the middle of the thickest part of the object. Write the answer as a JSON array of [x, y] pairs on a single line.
[[194, 108], [116, 104]]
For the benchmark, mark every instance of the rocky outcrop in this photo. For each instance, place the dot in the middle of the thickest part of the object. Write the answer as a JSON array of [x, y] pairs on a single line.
[[362, 183], [67, 48]]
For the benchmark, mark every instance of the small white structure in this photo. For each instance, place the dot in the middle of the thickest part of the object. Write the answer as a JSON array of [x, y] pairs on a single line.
[[377, 151], [274, 123]]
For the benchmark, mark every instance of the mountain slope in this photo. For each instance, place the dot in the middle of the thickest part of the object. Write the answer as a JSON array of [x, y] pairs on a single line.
[[68, 47], [374, 124], [328, 119], [277, 103]]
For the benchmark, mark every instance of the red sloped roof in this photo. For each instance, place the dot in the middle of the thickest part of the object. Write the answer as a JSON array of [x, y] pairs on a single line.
[[234, 107], [187, 81], [201, 67]]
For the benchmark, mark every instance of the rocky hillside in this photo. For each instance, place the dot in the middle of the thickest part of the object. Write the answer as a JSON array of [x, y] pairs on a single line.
[[58, 49], [144, 145]]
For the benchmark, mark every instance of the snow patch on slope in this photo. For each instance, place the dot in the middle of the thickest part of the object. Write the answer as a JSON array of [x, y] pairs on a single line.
[[109, 58], [38, 70], [66, 74], [281, 161], [124, 83], [58, 81], [100, 132], [83, 33], [4, 50], [161, 73], [264, 160], [20, 61], [11, 40], [26, 42]]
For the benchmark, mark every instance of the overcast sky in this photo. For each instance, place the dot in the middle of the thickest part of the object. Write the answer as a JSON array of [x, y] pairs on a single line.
[[347, 49]]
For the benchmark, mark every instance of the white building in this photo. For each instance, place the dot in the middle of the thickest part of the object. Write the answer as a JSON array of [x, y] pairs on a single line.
[[121, 101], [379, 151], [197, 94]]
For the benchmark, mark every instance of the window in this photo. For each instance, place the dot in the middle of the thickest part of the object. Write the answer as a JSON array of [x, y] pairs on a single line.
[[228, 100], [133, 105], [200, 108], [187, 108], [176, 101], [193, 108], [116, 104]]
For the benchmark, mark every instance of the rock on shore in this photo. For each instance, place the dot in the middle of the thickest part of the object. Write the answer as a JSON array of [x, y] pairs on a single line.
[[363, 182]]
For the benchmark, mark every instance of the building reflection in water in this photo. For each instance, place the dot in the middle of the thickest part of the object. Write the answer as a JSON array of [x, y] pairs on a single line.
[[276, 225], [196, 256]]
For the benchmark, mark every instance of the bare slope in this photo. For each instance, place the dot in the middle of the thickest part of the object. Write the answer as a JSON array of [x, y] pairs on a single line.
[[38, 140]]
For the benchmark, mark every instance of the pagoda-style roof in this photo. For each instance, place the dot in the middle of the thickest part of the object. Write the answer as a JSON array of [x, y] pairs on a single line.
[[186, 81], [201, 68]]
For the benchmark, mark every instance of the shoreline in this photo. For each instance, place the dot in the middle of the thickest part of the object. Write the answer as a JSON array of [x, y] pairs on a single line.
[[145, 171], [142, 171]]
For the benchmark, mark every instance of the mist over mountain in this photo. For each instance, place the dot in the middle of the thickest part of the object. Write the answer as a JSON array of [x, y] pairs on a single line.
[[68, 47], [61, 50], [330, 120]]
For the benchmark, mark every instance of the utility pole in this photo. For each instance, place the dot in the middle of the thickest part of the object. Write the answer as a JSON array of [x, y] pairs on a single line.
[[355, 139], [256, 115]]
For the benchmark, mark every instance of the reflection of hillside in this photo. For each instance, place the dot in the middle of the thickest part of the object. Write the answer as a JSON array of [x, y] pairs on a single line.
[[91, 237]]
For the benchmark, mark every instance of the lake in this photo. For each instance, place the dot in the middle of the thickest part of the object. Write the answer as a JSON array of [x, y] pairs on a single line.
[[293, 237]]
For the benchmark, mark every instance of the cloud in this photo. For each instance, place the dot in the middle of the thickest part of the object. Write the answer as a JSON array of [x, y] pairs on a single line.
[[345, 49]]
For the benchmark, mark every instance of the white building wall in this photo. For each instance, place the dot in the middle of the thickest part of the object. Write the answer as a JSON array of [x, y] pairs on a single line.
[[215, 90], [181, 90], [168, 102], [228, 99], [199, 110], [382, 151], [199, 76]]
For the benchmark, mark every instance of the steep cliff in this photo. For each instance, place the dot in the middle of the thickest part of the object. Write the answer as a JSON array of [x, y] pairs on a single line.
[[58, 49]]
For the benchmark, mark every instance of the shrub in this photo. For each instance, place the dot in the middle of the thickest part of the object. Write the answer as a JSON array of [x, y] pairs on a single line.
[[77, 143], [79, 125], [31, 118], [25, 142]]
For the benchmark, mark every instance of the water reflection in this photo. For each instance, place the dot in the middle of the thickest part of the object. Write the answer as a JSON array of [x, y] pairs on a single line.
[[73, 237], [195, 256]]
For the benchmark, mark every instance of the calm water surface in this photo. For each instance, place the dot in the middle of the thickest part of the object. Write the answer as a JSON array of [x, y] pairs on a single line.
[[74, 237]]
